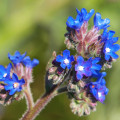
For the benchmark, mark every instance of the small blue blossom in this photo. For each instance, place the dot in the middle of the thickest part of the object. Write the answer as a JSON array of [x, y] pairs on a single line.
[[65, 60], [110, 49], [100, 23], [14, 84], [30, 63], [98, 89], [81, 17], [107, 36], [5, 72], [82, 68], [17, 58], [84, 15], [95, 67], [74, 24]]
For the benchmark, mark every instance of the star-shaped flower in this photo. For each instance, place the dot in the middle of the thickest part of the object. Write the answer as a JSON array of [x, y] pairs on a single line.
[[107, 36], [82, 68], [17, 58], [30, 63], [110, 49], [65, 60], [81, 17], [14, 84], [84, 15], [100, 23], [98, 89], [95, 68]]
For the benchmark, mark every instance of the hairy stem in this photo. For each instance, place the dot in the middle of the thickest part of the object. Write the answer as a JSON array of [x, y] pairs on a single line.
[[45, 99], [29, 98], [40, 104]]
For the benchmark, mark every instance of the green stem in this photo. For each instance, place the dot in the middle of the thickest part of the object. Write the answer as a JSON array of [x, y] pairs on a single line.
[[62, 90]]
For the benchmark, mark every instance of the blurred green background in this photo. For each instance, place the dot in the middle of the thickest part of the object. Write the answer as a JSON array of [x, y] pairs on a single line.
[[38, 27]]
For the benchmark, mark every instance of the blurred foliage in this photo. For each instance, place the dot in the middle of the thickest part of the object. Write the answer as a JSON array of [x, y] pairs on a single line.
[[38, 27]]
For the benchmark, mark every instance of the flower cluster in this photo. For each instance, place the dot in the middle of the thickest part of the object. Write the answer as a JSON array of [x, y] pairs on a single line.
[[14, 78], [93, 51]]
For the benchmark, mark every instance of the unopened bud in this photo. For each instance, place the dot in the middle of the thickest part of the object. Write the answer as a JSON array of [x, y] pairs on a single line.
[[55, 77], [50, 77], [52, 70]]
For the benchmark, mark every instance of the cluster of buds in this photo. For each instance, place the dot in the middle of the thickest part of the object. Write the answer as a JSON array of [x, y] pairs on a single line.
[[93, 53], [15, 77]]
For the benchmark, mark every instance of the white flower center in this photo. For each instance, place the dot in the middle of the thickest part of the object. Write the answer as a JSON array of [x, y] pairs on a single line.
[[5, 75], [16, 85], [80, 68], [66, 61], [99, 94], [107, 50]]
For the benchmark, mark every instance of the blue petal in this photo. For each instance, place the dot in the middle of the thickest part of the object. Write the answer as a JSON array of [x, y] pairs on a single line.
[[35, 62], [113, 55], [22, 81], [102, 81], [87, 64], [12, 91], [84, 12], [96, 60], [87, 73], [69, 66], [15, 77], [107, 57], [115, 39], [79, 75], [80, 59], [78, 11], [96, 67], [71, 58], [115, 47], [110, 34], [59, 58], [17, 58], [19, 89], [9, 68], [27, 62], [9, 82], [23, 55], [17, 53], [106, 92], [63, 65], [74, 24], [66, 53], [8, 87], [101, 23], [89, 15], [2, 69]]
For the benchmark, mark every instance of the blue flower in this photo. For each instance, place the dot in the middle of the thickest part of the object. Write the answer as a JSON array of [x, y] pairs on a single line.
[[5, 72], [98, 89], [30, 63], [74, 24], [84, 15], [14, 84], [65, 60], [110, 49], [82, 68], [108, 36], [100, 23], [80, 18], [17, 58], [95, 68]]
